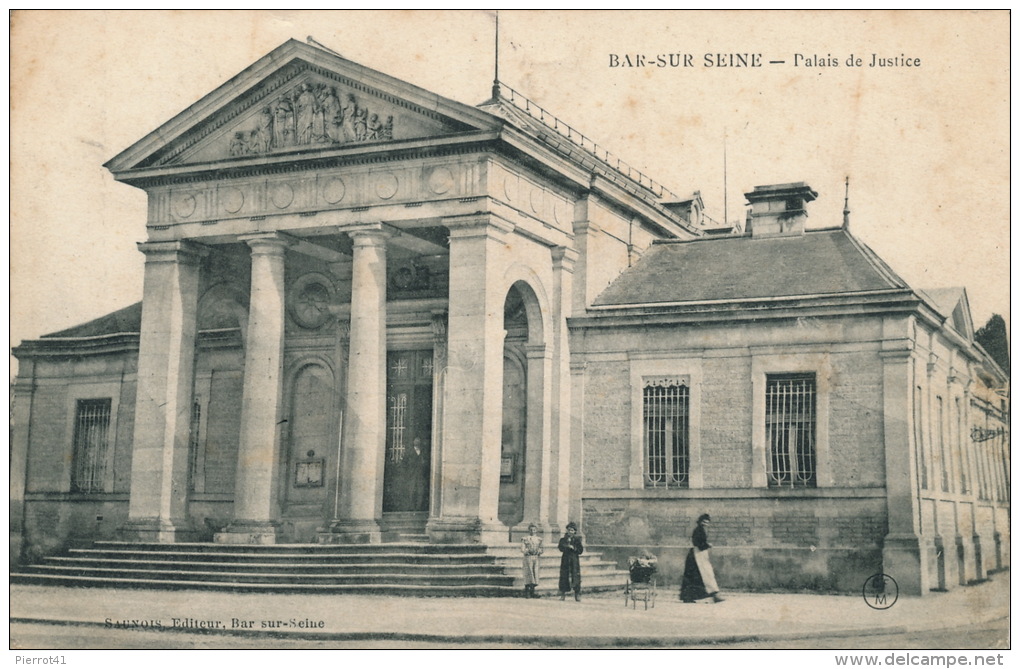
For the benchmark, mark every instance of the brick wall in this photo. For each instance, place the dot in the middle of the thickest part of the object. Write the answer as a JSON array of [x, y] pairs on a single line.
[[49, 450], [856, 441], [818, 543], [607, 425], [726, 422]]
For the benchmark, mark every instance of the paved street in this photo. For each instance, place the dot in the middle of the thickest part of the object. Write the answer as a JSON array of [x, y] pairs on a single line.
[[991, 635], [52, 617]]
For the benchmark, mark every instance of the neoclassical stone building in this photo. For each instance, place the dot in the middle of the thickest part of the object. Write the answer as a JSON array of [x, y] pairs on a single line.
[[372, 313]]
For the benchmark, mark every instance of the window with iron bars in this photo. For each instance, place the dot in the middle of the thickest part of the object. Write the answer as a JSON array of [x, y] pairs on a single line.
[[666, 428], [91, 441], [790, 415]]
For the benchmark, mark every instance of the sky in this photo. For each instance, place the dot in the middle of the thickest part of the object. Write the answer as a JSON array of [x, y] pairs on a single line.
[[926, 147]]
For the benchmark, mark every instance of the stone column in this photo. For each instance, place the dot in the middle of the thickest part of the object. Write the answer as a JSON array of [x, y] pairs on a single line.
[[583, 290], [438, 395], [258, 451], [572, 464], [165, 391], [538, 437], [362, 459], [473, 407], [343, 339], [903, 554], [563, 262]]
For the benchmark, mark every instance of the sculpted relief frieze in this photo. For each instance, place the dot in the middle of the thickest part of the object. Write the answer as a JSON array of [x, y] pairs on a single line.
[[310, 110], [311, 114], [312, 191]]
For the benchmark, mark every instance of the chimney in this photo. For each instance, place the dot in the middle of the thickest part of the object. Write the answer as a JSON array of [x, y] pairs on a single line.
[[779, 209]]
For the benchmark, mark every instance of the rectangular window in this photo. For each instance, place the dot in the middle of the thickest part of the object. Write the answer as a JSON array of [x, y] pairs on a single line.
[[961, 449], [922, 461], [790, 416], [91, 441], [397, 427], [940, 432], [666, 428]]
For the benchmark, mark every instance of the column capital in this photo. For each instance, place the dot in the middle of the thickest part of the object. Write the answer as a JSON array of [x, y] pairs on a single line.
[[535, 351], [585, 226], [179, 251], [268, 243], [439, 319], [895, 356], [564, 257], [368, 236], [476, 225]]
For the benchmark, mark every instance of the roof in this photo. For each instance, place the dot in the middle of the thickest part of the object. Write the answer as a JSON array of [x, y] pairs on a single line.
[[126, 320], [819, 262], [951, 304], [944, 299], [539, 124]]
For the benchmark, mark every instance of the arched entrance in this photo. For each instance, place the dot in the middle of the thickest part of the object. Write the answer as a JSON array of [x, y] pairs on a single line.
[[523, 366]]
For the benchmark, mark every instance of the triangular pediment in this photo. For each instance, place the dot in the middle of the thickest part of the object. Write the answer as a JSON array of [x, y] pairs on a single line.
[[299, 98]]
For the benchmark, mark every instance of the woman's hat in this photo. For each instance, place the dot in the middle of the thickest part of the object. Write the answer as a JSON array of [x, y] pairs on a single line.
[[704, 518], [571, 525]]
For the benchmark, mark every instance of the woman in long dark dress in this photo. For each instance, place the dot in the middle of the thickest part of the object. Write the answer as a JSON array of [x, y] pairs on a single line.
[[570, 563], [699, 577]]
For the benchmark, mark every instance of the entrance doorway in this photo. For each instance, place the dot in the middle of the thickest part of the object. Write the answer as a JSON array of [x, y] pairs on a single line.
[[310, 448], [521, 441], [408, 432]]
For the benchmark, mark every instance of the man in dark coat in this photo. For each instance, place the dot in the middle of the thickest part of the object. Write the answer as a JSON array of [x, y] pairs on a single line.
[[570, 563], [699, 577]]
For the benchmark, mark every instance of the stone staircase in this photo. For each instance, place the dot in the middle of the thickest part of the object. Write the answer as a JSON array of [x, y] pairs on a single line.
[[404, 568]]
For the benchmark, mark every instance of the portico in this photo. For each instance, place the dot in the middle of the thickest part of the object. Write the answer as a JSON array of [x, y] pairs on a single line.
[[366, 281]]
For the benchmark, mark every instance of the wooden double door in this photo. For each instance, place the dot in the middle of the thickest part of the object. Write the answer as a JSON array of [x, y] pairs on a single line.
[[407, 473]]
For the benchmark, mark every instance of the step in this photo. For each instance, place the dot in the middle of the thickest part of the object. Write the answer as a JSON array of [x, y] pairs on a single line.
[[292, 549], [447, 590], [391, 567], [405, 567], [271, 577], [335, 556]]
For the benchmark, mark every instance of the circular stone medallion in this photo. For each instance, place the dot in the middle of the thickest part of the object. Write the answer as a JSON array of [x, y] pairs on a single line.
[[386, 186], [184, 205], [441, 180], [281, 195], [333, 190], [510, 188], [232, 200], [536, 200]]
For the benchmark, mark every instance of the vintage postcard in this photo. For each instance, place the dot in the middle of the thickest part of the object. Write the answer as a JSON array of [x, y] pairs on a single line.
[[529, 329]]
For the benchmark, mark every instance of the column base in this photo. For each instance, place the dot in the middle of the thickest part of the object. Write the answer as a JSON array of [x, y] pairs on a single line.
[[155, 530], [467, 531], [904, 559], [352, 532], [999, 562], [979, 558], [964, 560], [16, 545], [247, 532]]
